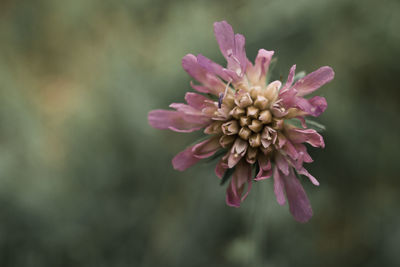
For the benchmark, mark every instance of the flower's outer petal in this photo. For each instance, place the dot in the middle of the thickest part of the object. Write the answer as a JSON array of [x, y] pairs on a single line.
[[184, 159], [282, 163], [314, 80], [186, 109], [196, 101], [221, 168], [212, 67], [313, 180], [232, 47], [311, 136], [318, 104], [302, 149], [257, 73], [279, 187], [289, 81], [211, 83], [206, 148], [240, 52], [176, 121], [241, 176], [299, 204], [265, 171]]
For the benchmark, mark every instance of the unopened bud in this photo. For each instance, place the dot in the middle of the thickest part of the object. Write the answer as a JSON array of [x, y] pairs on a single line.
[[255, 126], [251, 155], [244, 133], [252, 112], [230, 127], [237, 112], [226, 140], [244, 121], [255, 140], [265, 116], [243, 100], [261, 102]]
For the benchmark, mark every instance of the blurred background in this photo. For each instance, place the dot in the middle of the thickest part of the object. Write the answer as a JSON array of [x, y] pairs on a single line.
[[85, 181]]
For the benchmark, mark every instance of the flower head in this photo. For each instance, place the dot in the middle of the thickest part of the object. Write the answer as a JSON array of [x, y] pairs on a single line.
[[250, 119]]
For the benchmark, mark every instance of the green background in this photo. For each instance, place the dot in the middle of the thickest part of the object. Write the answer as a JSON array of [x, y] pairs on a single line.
[[85, 181]]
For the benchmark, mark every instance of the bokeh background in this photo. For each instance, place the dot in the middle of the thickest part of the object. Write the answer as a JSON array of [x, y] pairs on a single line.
[[85, 181]]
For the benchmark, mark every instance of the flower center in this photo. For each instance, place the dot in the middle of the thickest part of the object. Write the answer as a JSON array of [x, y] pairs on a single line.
[[249, 126]]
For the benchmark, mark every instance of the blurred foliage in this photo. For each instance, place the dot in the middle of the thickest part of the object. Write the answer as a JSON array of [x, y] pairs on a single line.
[[84, 181]]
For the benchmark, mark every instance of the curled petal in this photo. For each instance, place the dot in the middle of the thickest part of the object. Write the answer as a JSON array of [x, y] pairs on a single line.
[[311, 136], [304, 172], [257, 73], [184, 160], [282, 163], [299, 204], [196, 101], [206, 148], [314, 80], [241, 176], [289, 81], [221, 168], [176, 121], [211, 83]]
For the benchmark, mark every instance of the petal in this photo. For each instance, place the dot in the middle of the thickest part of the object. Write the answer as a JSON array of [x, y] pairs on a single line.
[[212, 67], [196, 101], [221, 168], [311, 136], [314, 80], [282, 163], [257, 73], [176, 121], [232, 47], [241, 176], [318, 104], [313, 180], [184, 160], [299, 205], [278, 187], [289, 81], [206, 148], [212, 84]]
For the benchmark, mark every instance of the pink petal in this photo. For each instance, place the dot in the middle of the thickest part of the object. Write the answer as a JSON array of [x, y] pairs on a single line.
[[212, 67], [231, 46], [313, 180], [221, 168], [196, 101], [289, 81], [257, 73], [209, 80], [311, 136], [206, 148], [299, 205], [278, 187], [282, 163], [176, 121], [314, 80], [184, 160], [241, 176]]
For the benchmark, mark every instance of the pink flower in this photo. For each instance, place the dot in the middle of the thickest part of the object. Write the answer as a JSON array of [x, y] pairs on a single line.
[[250, 119]]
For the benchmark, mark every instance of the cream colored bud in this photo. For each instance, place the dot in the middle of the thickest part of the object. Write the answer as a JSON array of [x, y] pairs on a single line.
[[244, 121], [265, 116], [255, 92], [255, 140], [230, 127], [252, 112], [243, 100], [251, 155], [271, 92], [261, 102], [237, 112], [256, 126], [229, 100], [244, 133], [226, 140]]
